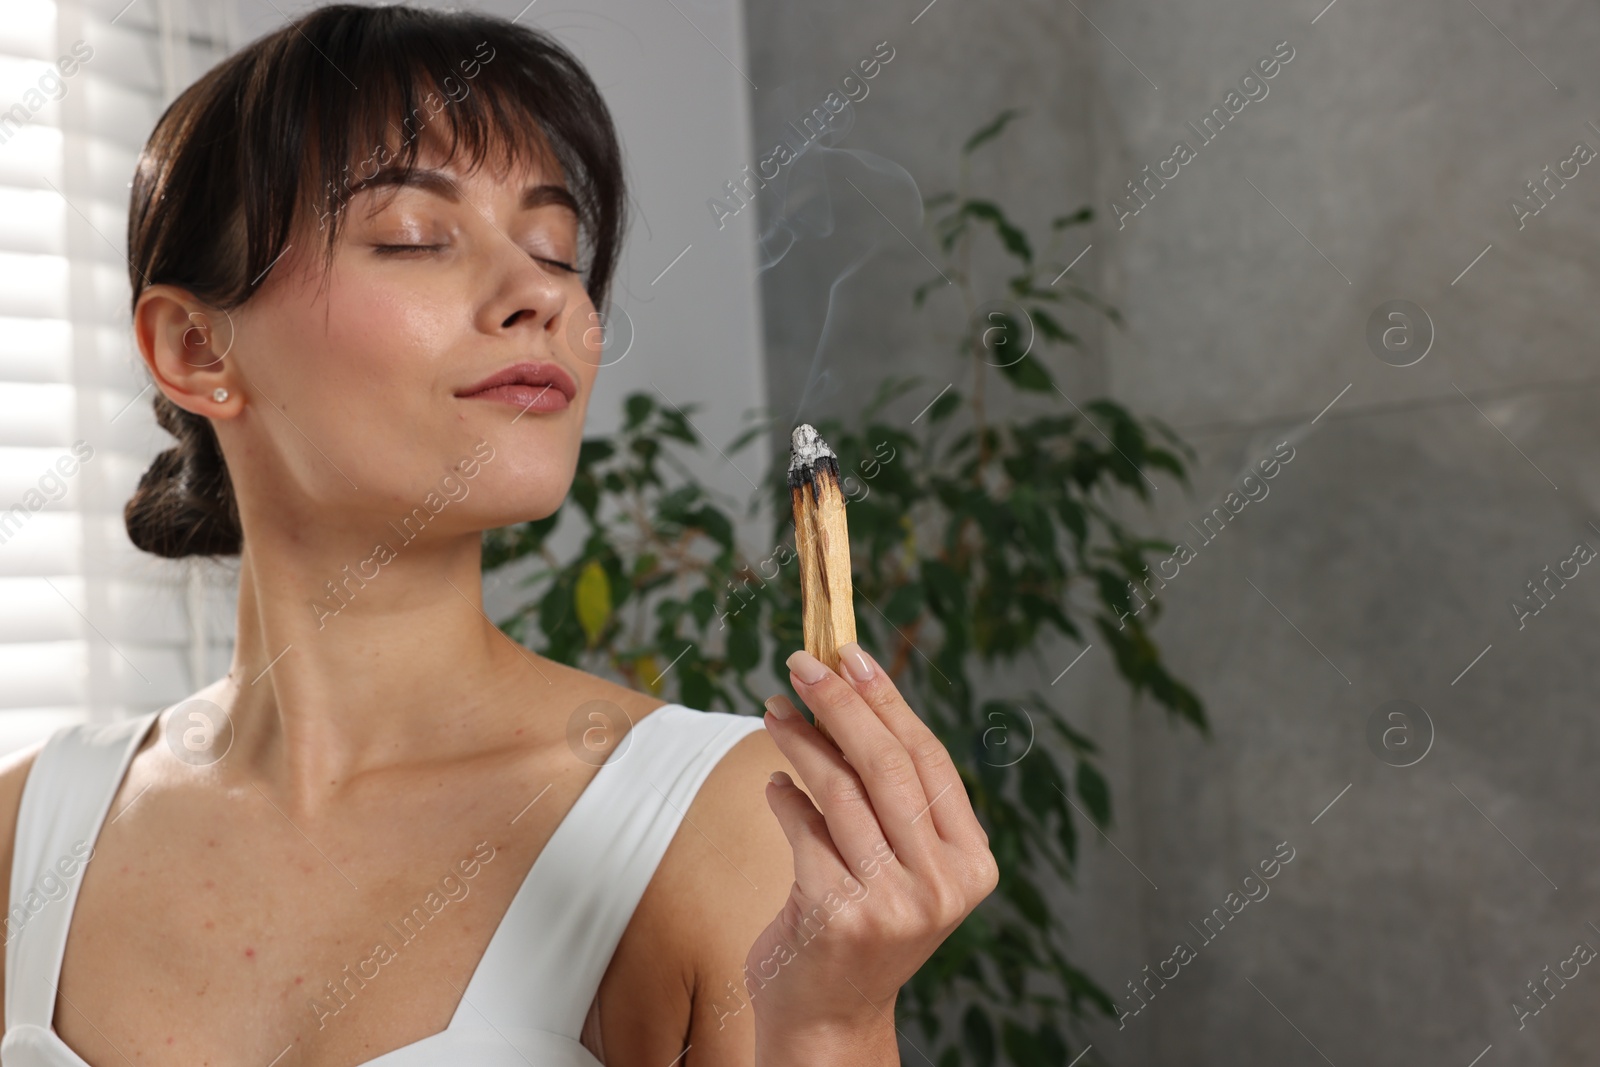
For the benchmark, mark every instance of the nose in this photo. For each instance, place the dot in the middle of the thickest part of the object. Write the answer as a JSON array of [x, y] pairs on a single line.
[[518, 315], [529, 296]]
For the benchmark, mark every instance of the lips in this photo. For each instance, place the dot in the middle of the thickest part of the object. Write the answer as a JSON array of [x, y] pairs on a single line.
[[524, 381]]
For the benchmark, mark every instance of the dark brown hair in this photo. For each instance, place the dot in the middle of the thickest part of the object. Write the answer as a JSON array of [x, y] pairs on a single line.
[[273, 136]]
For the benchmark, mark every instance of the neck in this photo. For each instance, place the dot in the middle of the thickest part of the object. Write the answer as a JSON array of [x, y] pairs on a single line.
[[349, 662]]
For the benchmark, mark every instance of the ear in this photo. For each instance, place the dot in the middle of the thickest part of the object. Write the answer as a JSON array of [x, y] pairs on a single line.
[[185, 344]]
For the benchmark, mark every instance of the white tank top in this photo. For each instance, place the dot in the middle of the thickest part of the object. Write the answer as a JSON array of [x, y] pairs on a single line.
[[527, 1001]]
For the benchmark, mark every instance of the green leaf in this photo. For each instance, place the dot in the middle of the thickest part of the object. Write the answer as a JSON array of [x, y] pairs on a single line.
[[744, 647], [716, 526], [703, 606], [1077, 740], [920, 293], [586, 494], [694, 688], [1004, 338], [1019, 1044], [1082, 215], [638, 407], [1050, 328], [594, 450], [676, 424], [1052, 1047], [992, 130], [1081, 987], [1074, 518], [905, 605], [764, 426], [944, 585], [1027, 373], [1096, 795], [1067, 834], [1015, 241], [942, 407], [1021, 1047], [674, 507], [977, 1033], [1039, 778]]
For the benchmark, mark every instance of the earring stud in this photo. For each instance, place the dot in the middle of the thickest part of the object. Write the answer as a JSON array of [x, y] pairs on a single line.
[[219, 394]]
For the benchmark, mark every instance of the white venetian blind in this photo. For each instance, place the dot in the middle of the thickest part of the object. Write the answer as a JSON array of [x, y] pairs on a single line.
[[90, 628]]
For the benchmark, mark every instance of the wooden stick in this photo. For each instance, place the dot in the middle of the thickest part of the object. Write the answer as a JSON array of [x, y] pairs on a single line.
[[822, 543]]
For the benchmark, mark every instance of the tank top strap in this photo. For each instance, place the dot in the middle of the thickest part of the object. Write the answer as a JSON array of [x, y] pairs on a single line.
[[546, 960], [65, 800]]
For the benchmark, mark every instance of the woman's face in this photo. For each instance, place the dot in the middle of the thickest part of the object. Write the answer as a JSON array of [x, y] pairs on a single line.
[[356, 400]]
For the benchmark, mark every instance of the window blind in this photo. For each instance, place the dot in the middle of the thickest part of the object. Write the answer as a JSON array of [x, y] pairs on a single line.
[[90, 628]]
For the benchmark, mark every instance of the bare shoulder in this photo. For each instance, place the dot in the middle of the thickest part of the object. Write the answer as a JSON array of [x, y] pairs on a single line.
[[14, 769], [730, 839], [731, 811], [726, 794], [579, 686], [726, 876]]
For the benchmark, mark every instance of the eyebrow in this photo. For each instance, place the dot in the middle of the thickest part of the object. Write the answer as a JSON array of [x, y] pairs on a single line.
[[441, 184]]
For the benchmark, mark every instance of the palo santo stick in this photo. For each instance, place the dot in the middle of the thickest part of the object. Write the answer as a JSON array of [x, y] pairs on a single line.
[[822, 543]]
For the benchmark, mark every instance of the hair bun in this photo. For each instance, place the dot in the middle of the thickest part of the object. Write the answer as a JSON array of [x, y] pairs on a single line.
[[184, 505]]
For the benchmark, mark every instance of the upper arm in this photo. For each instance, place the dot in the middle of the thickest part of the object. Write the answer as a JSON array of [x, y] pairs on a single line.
[[742, 871], [13, 773]]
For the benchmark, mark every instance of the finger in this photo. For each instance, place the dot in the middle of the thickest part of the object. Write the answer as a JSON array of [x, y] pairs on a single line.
[[818, 867], [949, 806], [834, 786], [885, 767]]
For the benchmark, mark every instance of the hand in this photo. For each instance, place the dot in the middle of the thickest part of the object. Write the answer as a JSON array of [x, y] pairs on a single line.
[[892, 862]]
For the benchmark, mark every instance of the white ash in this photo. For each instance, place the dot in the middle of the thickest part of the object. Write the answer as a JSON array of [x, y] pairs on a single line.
[[807, 448]]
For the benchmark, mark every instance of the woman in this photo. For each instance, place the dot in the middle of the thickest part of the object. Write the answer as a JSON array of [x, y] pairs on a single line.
[[366, 253]]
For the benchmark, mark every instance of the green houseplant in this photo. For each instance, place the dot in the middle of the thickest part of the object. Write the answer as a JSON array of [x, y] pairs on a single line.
[[968, 532]]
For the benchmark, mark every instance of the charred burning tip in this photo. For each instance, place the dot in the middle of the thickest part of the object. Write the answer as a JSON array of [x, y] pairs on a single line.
[[809, 454]]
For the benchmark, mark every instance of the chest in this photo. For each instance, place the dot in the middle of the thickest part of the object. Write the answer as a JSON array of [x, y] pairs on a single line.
[[231, 931]]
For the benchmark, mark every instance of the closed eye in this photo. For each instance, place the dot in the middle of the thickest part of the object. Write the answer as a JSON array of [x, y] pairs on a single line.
[[390, 250]]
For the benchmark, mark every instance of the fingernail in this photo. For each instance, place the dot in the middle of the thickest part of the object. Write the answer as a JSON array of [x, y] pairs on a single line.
[[855, 662], [807, 668], [780, 778], [780, 707]]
